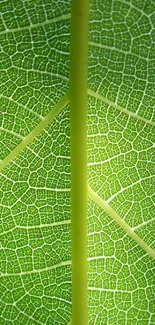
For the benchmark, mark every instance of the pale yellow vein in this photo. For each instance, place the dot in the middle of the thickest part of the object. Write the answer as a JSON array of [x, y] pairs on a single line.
[[118, 107], [115, 216], [37, 25], [46, 269], [34, 133]]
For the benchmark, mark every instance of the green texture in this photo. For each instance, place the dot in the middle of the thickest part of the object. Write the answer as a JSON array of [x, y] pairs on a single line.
[[35, 191]]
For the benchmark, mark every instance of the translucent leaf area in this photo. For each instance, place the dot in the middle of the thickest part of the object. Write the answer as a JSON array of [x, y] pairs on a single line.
[[35, 241]]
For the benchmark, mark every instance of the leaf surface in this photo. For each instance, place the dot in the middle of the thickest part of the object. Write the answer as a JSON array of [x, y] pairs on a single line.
[[35, 275]]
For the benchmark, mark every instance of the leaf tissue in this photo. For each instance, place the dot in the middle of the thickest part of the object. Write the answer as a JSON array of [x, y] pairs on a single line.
[[35, 162]]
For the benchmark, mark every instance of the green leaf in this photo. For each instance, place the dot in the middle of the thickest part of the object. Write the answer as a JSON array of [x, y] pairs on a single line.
[[35, 240]]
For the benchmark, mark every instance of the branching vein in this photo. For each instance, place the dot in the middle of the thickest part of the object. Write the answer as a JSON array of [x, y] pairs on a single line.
[[29, 27], [66, 263], [118, 107], [115, 216], [34, 133]]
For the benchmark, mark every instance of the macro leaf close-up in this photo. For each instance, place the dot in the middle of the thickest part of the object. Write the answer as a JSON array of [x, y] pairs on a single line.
[[42, 167]]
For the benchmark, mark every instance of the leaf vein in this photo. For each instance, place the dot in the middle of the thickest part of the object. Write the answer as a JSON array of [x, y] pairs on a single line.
[[118, 107], [66, 263], [115, 216], [34, 133], [44, 23]]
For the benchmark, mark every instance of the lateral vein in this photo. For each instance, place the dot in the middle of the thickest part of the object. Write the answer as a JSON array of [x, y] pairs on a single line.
[[66, 263], [29, 27], [115, 216], [34, 133], [118, 107]]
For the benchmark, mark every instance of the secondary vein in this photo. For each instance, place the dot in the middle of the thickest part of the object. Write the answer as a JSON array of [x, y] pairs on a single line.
[[115, 216], [34, 133], [29, 27], [120, 108], [46, 269]]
